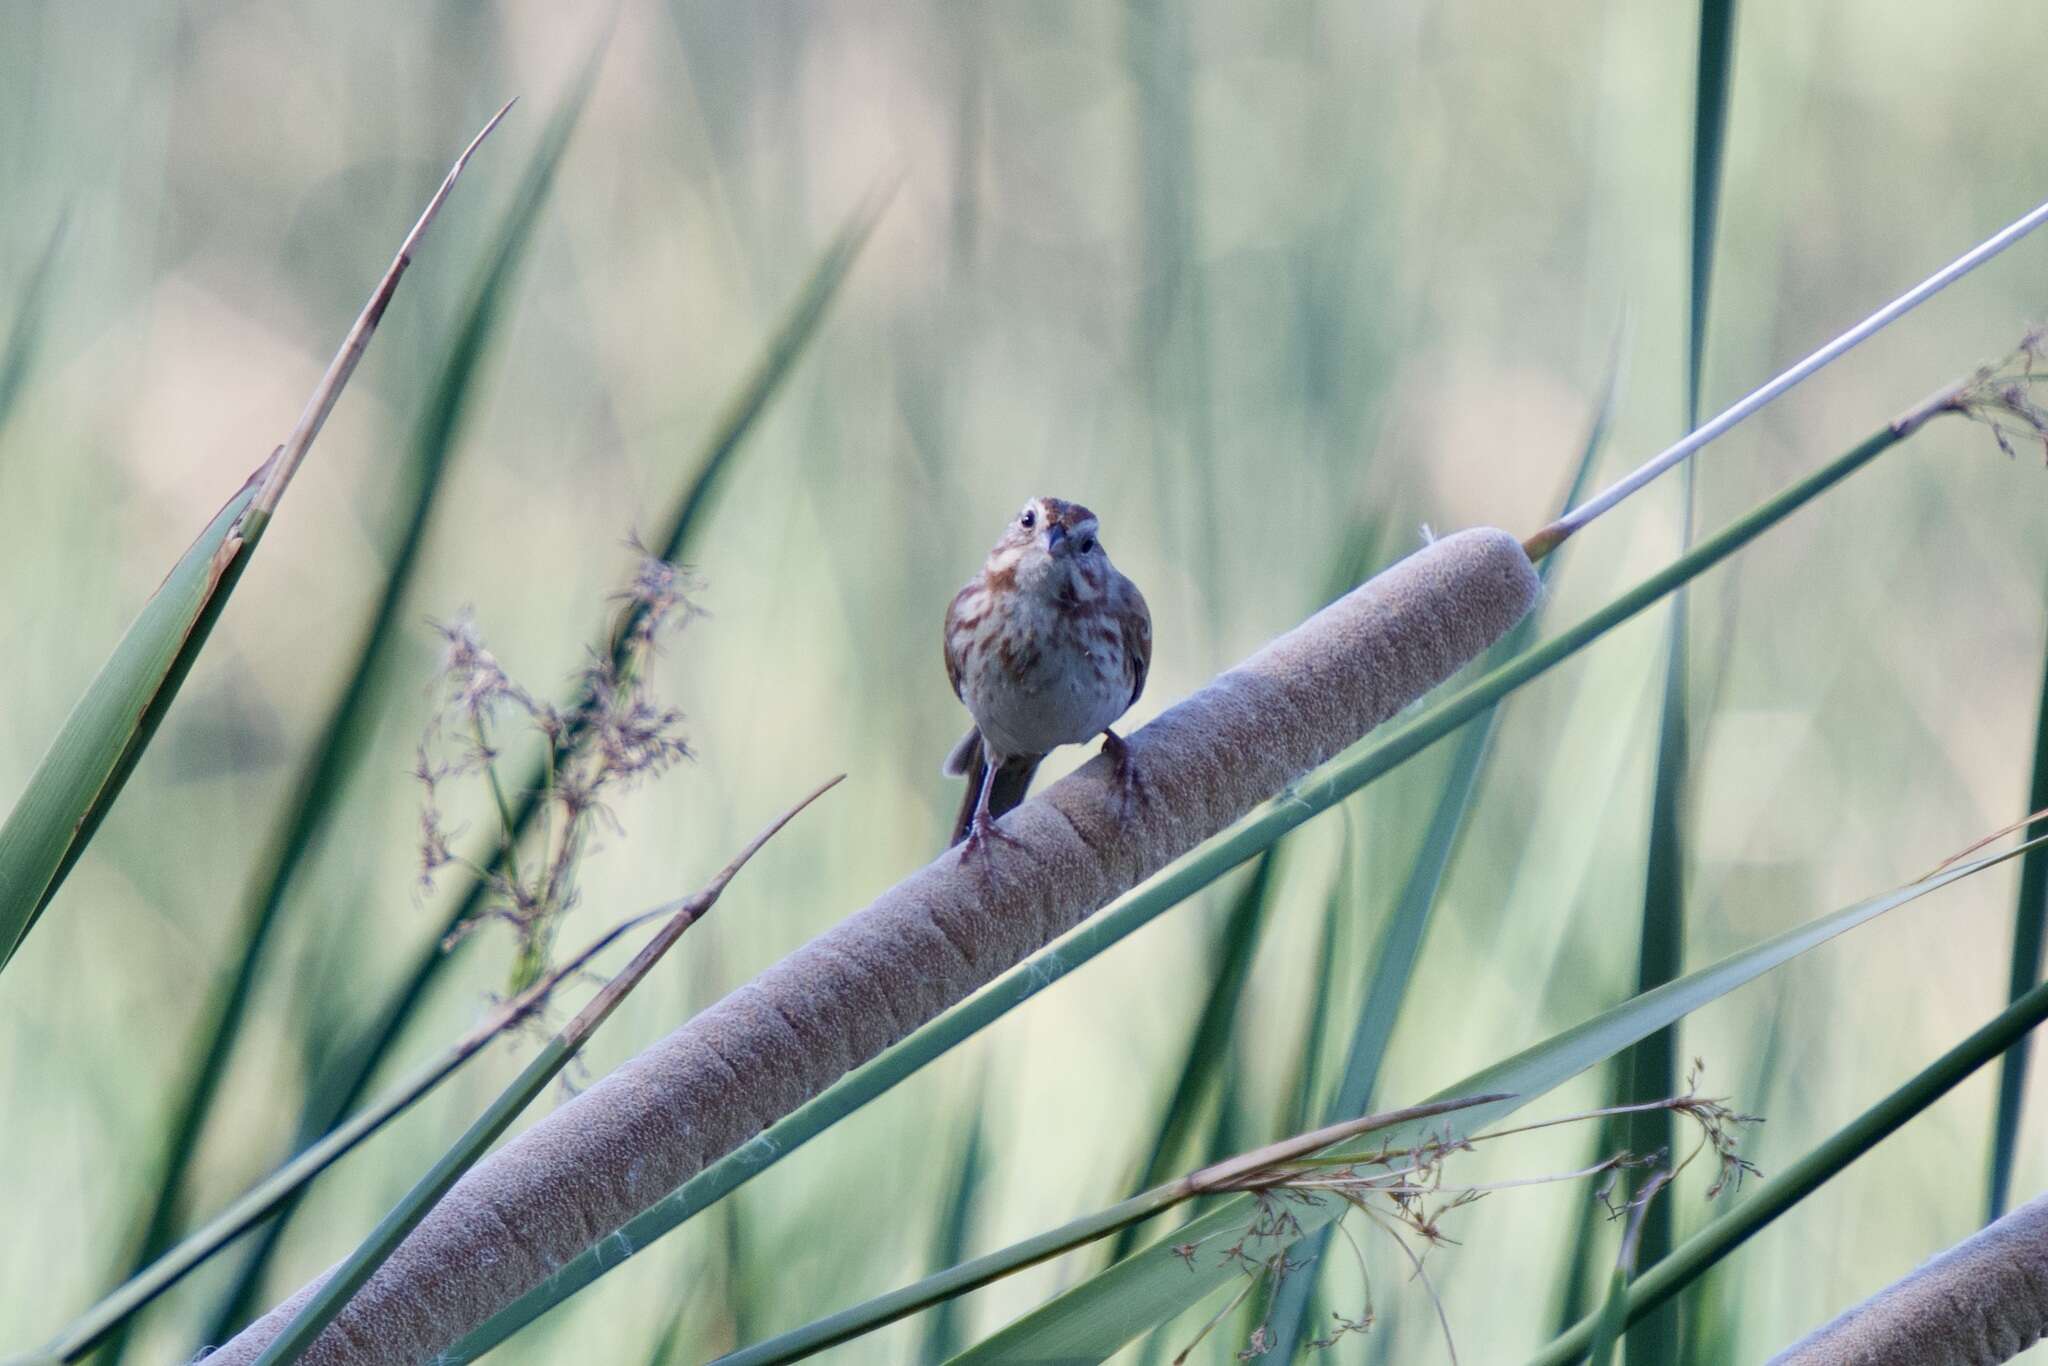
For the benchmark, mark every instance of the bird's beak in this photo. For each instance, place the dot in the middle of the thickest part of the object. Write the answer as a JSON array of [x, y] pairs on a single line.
[[1055, 540]]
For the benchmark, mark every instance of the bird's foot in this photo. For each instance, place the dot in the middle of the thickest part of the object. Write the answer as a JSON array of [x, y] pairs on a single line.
[[982, 835]]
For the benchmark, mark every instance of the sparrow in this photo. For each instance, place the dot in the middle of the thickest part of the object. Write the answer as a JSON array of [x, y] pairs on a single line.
[[1047, 646]]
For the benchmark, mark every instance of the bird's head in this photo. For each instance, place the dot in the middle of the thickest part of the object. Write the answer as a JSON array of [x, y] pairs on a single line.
[[1051, 548]]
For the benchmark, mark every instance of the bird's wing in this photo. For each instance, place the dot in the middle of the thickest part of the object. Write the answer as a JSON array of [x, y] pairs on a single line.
[[1134, 618], [954, 638]]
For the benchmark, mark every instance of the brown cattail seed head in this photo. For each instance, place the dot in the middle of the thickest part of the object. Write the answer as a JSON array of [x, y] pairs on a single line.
[[923, 945]]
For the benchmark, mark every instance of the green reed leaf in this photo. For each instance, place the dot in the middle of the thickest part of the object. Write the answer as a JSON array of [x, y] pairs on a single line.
[[1096, 1318]]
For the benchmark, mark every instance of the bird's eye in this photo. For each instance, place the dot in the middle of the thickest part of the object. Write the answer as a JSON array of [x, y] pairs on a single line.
[[1028, 520], [1087, 544]]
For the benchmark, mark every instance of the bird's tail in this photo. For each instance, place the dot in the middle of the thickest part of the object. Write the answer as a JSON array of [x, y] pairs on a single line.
[[1013, 780]]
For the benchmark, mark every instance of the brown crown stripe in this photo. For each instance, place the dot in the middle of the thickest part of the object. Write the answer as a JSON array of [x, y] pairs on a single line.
[[1065, 513]]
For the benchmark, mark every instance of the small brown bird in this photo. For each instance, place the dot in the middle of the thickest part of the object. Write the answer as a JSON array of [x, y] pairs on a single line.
[[1047, 646]]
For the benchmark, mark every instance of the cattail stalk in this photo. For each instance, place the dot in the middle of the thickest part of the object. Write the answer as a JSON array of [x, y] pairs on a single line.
[[1984, 1300], [922, 946]]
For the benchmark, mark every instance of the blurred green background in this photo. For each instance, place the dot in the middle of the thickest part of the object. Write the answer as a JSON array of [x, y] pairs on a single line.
[[1270, 288]]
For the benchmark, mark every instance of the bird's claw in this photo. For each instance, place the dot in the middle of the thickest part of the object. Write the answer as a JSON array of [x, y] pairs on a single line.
[[982, 832]]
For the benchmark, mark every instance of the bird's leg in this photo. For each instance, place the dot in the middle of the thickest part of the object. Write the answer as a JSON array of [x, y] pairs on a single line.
[[981, 829], [1131, 792]]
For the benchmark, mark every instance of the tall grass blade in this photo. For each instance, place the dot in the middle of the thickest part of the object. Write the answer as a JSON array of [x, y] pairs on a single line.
[[343, 1085], [1613, 1319], [1337, 780], [1582, 1277], [1399, 945], [1173, 329], [1709, 141], [1095, 1319], [942, 1337], [1713, 1310], [336, 1291], [25, 333], [1652, 1066], [1209, 1042], [319, 782], [103, 738], [798, 326], [93, 1327], [737, 1299], [1651, 1069], [99, 744], [1784, 1189], [1308, 1070], [1299, 1109], [2028, 920], [668, 1347]]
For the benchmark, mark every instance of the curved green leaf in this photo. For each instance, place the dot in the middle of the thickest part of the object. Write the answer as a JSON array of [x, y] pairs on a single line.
[[341, 1086], [1613, 1318], [1697, 1254], [943, 1333], [1200, 1074], [1098, 1317], [320, 780], [958, 1280], [2029, 927], [25, 333], [1652, 1065], [355, 1270], [99, 743]]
